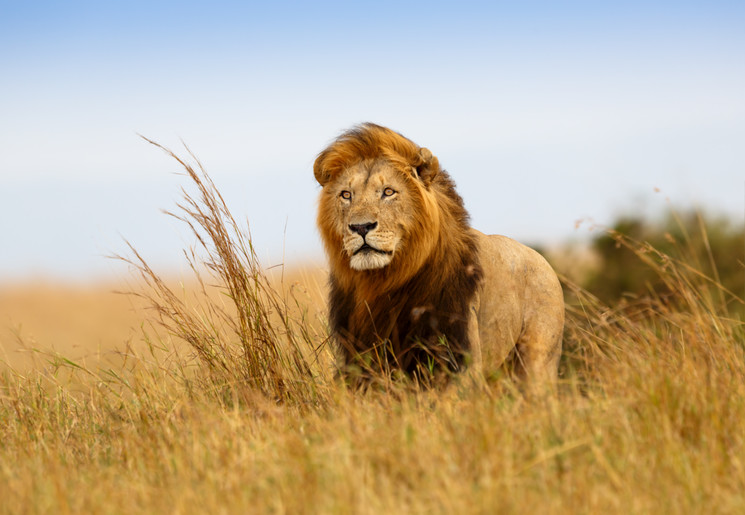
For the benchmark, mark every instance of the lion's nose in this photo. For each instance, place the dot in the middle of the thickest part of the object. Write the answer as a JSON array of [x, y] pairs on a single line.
[[363, 229]]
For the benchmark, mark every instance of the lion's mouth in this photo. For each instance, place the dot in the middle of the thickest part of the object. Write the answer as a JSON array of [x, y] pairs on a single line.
[[365, 248]]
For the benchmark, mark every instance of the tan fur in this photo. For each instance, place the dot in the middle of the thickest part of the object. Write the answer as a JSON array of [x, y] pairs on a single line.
[[426, 274]]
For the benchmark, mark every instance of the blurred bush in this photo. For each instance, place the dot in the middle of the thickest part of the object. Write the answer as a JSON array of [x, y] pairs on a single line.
[[714, 246]]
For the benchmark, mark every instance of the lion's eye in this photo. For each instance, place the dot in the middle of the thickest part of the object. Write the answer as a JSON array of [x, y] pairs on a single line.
[[389, 192], [346, 195]]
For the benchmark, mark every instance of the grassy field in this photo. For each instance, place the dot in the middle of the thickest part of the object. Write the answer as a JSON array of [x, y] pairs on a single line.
[[219, 397]]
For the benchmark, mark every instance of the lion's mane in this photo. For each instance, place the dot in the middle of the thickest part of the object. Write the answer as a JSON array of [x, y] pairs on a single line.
[[415, 310]]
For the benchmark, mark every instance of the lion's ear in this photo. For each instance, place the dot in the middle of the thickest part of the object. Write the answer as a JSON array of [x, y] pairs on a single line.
[[428, 166], [321, 174]]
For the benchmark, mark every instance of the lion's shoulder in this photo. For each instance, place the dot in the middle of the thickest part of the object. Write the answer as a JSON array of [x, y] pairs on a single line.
[[509, 265], [515, 275]]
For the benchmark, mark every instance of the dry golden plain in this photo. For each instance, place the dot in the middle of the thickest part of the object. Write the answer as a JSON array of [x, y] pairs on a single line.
[[649, 418], [82, 322], [93, 323]]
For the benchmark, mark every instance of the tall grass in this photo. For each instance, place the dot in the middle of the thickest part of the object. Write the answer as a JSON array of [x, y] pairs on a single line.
[[257, 340], [243, 414]]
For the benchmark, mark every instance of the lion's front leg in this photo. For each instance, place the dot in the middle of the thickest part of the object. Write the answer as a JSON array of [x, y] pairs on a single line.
[[475, 364]]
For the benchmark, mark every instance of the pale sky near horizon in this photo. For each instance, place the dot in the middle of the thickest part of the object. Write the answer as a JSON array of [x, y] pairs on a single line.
[[544, 113]]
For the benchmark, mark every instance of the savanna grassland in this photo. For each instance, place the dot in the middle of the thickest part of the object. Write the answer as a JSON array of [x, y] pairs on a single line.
[[216, 394]]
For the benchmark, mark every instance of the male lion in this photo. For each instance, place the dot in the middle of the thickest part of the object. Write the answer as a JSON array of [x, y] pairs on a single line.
[[412, 286]]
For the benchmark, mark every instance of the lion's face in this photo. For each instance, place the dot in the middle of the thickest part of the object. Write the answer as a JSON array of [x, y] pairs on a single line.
[[379, 212], [371, 209]]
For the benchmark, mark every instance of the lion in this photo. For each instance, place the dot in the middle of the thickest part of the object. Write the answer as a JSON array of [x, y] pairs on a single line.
[[412, 286]]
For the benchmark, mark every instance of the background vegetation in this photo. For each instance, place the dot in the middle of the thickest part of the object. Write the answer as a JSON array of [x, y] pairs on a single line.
[[223, 399], [711, 245]]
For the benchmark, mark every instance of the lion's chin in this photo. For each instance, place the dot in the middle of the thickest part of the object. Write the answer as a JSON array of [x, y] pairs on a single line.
[[370, 260]]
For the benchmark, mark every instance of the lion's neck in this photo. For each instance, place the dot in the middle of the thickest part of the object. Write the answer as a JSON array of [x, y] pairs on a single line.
[[416, 312]]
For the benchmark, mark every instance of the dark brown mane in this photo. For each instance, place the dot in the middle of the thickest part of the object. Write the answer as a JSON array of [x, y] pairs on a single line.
[[394, 317]]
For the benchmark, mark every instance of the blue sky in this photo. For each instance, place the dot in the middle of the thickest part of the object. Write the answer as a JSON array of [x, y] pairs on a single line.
[[544, 113]]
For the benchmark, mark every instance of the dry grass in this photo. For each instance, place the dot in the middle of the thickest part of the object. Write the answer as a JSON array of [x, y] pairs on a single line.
[[242, 415], [84, 323]]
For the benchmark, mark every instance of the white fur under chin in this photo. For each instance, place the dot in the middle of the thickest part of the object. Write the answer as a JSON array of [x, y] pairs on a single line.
[[369, 260]]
